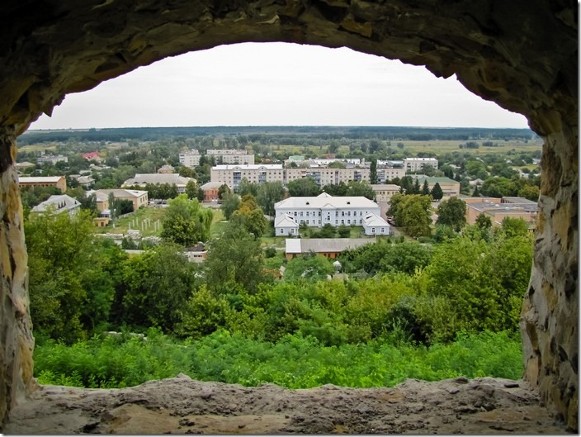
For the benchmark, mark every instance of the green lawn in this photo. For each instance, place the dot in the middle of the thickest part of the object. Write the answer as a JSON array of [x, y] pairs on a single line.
[[147, 220]]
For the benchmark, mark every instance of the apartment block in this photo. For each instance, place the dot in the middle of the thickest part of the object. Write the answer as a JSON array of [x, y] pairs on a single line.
[[231, 156], [416, 164], [190, 158], [232, 175]]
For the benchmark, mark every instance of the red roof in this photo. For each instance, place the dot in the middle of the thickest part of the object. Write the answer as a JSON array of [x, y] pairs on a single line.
[[91, 155]]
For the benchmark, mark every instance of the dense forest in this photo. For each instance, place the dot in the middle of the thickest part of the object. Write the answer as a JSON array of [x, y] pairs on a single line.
[[275, 133]]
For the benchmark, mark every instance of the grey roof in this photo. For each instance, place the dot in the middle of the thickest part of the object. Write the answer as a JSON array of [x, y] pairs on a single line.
[[285, 221], [210, 185], [374, 220], [121, 192], [157, 178], [59, 203], [320, 245], [325, 200]]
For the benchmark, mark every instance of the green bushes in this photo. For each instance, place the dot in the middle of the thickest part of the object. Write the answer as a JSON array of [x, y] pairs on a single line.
[[294, 361]]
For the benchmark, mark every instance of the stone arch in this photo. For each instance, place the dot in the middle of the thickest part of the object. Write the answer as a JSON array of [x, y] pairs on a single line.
[[521, 54]]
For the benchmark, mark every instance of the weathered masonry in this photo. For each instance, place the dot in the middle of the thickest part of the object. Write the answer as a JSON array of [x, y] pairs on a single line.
[[521, 54]]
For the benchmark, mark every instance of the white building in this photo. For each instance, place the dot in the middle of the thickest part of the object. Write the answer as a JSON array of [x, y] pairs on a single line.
[[416, 164], [232, 175], [286, 225], [321, 210], [190, 158], [231, 156], [375, 225]]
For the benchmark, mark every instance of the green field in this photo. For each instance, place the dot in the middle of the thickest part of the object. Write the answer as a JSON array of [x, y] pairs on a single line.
[[438, 147]]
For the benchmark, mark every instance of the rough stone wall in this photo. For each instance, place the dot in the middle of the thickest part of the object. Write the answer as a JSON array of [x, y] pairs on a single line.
[[15, 325], [522, 54]]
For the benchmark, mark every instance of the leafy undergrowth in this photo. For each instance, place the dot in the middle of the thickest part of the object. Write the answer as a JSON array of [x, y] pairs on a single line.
[[293, 362]]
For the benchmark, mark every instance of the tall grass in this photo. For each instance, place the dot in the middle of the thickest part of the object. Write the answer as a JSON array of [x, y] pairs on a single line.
[[293, 362]]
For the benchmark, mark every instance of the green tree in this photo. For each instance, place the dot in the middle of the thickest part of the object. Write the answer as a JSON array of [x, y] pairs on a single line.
[[373, 171], [303, 187], [268, 194], [339, 189], [483, 221], [203, 314], [250, 216], [230, 203], [223, 190], [192, 189], [344, 231], [360, 188], [412, 212], [60, 255], [186, 222], [310, 267], [530, 192], [158, 285], [235, 261], [514, 227], [245, 187], [452, 212], [437, 192]]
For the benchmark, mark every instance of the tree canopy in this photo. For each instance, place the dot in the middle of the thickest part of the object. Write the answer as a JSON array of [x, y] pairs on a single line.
[[412, 212], [186, 222], [452, 212]]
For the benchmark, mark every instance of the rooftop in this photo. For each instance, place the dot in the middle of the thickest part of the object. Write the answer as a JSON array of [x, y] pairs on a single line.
[[325, 200], [320, 245], [247, 167]]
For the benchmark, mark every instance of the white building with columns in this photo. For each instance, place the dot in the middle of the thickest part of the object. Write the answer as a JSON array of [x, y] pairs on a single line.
[[326, 209]]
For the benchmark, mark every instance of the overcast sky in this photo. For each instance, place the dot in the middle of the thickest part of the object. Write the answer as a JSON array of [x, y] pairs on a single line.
[[278, 84]]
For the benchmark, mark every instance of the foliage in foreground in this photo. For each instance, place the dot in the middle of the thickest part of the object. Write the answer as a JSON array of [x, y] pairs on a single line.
[[292, 362]]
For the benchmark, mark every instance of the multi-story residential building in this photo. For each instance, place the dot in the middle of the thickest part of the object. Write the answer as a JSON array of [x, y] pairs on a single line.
[[232, 175], [231, 156], [416, 164], [389, 173], [324, 209], [142, 179], [58, 204], [190, 158], [51, 159], [323, 175], [327, 176], [59, 182]]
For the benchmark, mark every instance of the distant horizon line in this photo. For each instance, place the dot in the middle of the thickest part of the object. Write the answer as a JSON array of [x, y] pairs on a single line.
[[275, 126]]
